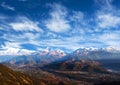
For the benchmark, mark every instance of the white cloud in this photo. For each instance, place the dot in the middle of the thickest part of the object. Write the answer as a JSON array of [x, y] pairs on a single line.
[[108, 21], [10, 45], [24, 24], [83, 32], [77, 16], [24, 38], [13, 48], [10, 51], [16, 51], [4, 5], [70, 43], [108, 16], [58, 21], [110, 38], [78, 20], [1, 28], [9, 48], [27, 31], [52, 35], [104, 4]]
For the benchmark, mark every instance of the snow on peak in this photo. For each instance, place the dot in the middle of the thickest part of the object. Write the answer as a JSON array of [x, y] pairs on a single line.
[[112, 49], [86, 49], [51, 52]]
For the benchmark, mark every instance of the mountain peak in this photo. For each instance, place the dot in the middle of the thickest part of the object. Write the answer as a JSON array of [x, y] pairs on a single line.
[[112, 49]]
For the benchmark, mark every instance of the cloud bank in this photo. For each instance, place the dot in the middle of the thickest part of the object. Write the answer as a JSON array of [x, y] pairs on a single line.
[[63, 28]]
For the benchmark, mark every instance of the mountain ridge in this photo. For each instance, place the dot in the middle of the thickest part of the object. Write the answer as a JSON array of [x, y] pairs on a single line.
[[10, 77], [18, 52], [48, 56]]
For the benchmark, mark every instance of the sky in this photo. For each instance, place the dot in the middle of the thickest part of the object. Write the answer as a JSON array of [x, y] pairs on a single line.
[[34, 25]]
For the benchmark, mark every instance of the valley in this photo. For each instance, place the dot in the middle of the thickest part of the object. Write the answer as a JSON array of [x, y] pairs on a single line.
[[82, 67], [59, 42], [70, 77]]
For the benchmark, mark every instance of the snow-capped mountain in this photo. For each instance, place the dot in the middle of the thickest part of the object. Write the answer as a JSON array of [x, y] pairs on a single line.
[[94, 54], [17, 51], [47, 56], [50, 52], [42, 57], [112, 49]]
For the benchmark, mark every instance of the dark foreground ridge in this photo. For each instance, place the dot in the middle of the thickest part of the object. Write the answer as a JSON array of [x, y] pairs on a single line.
[[10, 77]]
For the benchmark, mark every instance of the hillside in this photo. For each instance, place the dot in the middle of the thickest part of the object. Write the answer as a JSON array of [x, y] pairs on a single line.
[[92, 55], [79, 65], [10, 77], [41, 58]]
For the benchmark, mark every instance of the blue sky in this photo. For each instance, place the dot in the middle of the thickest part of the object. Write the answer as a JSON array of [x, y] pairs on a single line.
[[34, 25]]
